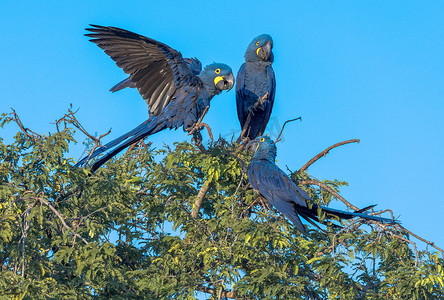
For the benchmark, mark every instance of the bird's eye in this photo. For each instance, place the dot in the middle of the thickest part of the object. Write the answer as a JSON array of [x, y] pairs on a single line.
[[257, 43], [217, 71], [262, 139]]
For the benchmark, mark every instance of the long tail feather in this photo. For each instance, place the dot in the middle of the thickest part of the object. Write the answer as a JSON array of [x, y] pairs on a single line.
[[349, 215], [142, 131], [313, 214], [113, 143]]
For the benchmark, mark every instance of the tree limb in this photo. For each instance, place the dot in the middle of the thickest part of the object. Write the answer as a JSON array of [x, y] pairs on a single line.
[[325, 152], [203, 190], [421, 239]]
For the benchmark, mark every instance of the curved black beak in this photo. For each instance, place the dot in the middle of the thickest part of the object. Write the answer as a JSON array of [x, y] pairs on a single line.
[[252, 146], [264, 51], [226, 82]]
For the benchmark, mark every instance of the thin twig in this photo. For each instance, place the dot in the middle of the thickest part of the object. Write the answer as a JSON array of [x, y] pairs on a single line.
[[324, 153], [283, 126], [70, 118], [60, 216], [139, 142], [33, 135], [24, 234], [330, 190], [421, 239], [334, 237], [408, 241], [239, 185]]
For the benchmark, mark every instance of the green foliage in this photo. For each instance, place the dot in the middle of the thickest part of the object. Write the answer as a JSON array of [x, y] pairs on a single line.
[[126, 232]]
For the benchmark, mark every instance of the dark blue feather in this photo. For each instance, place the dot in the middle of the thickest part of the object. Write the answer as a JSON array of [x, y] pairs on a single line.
[[175, 95], [281, 192], [256, 86]]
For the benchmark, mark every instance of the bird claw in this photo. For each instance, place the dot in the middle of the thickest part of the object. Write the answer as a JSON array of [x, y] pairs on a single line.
[[197, 137], [258, 105]]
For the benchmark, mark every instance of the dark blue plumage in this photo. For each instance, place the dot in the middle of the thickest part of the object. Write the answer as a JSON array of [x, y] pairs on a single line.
[[175, 95], [256, 86], [193, 63], [281, 192]]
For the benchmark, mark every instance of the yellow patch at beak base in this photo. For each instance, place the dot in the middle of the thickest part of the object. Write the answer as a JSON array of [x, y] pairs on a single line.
[[257, 51], [217, 79]]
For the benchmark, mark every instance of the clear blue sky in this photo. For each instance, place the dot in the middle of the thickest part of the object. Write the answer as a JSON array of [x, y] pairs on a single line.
[[372, 70]]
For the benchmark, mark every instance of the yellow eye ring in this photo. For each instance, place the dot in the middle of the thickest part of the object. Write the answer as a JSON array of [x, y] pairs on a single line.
[[217, 71], [262, 139], [257, 43]]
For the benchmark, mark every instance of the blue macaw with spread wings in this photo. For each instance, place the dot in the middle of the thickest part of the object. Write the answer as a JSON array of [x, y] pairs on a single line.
[[175, 95]]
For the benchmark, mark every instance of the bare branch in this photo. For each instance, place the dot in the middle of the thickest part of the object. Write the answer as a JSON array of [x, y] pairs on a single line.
[[422, 239], [325, 152], [31, 134], [70, 118], [330, 190], [283, 126]]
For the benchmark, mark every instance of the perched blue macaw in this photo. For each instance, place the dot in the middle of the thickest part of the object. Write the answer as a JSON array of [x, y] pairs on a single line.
[[256, 86], [281, 192], [175, 95]]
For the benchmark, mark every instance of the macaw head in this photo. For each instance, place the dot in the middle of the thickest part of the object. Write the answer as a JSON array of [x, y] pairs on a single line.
[[217, 77], [260, 49], [263, 148]]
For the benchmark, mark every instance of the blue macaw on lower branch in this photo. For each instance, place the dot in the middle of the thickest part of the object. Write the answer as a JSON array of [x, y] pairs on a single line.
[[282, 193]]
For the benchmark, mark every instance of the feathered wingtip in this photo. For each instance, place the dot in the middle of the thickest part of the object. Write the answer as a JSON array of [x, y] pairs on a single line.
[[123, 84]]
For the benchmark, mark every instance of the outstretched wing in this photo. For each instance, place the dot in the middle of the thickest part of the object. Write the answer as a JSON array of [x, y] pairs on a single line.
[[279, 190], [194, 64], [156, 69]]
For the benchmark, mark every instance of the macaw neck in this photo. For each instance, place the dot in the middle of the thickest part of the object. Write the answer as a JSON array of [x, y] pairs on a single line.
[[257, 62], [211, 90], [265, 154]]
